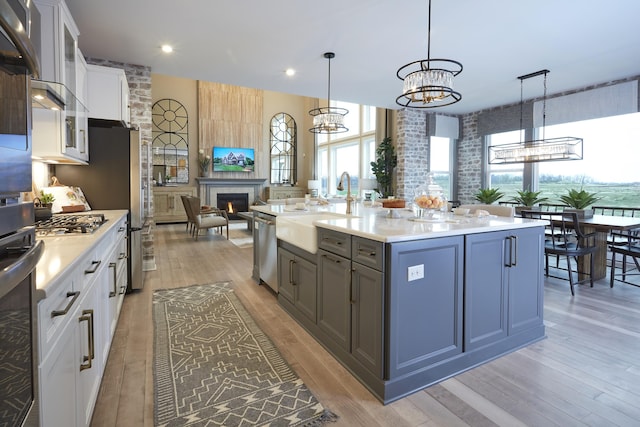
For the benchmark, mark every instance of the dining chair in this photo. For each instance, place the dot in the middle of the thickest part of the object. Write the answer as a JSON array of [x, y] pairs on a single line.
[[205, 219], [552, 207], [566, 238], [629, 249], [625, 243]]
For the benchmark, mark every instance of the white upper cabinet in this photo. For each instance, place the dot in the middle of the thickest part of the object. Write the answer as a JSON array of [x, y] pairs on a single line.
[[59, 116], [108, 94], [59, 42]]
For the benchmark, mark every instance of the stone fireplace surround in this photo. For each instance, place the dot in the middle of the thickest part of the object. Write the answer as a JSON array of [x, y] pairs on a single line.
[[208, 188]]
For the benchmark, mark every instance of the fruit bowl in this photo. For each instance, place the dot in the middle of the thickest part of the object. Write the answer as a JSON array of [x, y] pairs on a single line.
[[429, 201]]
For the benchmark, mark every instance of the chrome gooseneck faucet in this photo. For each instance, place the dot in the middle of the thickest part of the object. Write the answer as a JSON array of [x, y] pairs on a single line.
[[341, 188]]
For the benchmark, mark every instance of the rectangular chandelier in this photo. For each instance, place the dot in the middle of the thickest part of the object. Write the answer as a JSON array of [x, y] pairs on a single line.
[[543, 150]]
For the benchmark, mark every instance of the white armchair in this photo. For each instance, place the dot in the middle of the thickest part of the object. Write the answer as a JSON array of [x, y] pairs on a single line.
[[205, 219]]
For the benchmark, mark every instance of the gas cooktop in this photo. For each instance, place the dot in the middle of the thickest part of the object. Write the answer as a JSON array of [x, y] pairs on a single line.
[[66, 224]]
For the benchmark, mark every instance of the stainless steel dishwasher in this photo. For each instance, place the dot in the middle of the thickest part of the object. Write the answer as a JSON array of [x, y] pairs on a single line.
[[267, 249]]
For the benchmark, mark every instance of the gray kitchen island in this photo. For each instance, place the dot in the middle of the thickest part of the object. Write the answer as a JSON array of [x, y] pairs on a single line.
[[404, 304]]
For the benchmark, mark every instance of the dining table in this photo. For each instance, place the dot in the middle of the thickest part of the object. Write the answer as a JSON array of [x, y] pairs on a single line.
[[602, 225]]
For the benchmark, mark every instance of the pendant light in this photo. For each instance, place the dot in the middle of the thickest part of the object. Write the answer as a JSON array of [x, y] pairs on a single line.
[[328, 119], [540, 150], [428, 83]]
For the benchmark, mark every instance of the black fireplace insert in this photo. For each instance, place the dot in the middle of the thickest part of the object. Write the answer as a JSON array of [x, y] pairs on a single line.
[[233, 203]]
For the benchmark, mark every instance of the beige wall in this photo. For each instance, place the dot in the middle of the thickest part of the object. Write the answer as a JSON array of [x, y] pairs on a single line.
[[184, 91]]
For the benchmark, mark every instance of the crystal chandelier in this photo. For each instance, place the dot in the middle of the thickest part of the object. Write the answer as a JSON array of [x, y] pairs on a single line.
[[328, 119], [428, 83], [541, 150]]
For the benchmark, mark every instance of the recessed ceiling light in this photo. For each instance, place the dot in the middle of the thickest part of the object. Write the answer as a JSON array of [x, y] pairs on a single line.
[[290, 72], [166, 48]]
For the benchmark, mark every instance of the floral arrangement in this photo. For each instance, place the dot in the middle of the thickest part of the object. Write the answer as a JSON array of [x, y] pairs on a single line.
[[203, 161]]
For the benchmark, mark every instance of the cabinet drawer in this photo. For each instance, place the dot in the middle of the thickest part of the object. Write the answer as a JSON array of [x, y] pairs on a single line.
[[367, 252], [55, 311], [120, 230], [332, 241], [91, 264]]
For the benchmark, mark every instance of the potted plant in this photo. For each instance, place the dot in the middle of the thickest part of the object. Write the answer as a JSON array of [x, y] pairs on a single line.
[[42, 206], [488, 196], [46, 199], [382, 168], [527, 199], [579, 201]]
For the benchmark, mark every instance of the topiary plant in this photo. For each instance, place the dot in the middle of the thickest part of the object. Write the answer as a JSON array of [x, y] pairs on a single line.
[[529, 198], [488, 196], [579, 199]]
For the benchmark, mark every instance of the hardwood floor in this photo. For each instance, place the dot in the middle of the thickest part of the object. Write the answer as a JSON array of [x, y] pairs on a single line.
[[586, 372]]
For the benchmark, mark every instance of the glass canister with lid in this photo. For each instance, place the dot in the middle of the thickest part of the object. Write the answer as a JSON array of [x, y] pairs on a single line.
[[428, 199]]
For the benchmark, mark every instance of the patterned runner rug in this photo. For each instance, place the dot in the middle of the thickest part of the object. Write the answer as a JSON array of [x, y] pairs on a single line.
[[213, 366]]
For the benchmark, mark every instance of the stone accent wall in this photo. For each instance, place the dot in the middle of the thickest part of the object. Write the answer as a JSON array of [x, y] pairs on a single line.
[[412, 148], [469, 155]]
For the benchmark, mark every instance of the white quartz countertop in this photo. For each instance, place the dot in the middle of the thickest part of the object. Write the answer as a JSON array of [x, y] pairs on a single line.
[[61, 253], [376, 223]]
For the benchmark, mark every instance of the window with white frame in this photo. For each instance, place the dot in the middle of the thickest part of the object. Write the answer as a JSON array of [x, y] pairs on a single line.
[[350, 152]]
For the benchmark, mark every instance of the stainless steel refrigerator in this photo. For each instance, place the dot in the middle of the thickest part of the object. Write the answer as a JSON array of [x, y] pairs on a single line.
[[112, 180]]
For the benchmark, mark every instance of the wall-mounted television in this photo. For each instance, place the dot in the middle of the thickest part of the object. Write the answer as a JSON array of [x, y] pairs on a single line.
[[233, 159]]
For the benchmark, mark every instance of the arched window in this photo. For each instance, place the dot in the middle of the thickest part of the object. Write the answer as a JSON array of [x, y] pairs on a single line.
[[283, 149]]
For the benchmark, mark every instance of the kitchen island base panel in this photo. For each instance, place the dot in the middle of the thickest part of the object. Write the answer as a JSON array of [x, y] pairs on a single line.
[[422, 334], [391, 390], [421, 379]]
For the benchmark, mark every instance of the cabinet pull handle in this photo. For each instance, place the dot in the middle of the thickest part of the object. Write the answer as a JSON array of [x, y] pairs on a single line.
[[330, 258], [122, 255], [84, 142], [514, 251], [94, 265], [291, 262], [114, 292], [87, 316], [366, 253], [75, 296], [507, 251], [352, 296], [332, 242]]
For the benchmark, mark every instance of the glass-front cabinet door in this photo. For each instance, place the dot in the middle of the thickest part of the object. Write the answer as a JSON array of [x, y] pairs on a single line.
[[71, 116]]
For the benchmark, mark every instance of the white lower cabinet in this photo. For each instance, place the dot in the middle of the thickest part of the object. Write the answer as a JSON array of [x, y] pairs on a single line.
[[70, 373], [89, 358], [58, 379], [76, 326]]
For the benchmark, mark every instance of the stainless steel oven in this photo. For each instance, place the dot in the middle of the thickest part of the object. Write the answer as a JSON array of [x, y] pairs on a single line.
[[19, 254], [19, 251]]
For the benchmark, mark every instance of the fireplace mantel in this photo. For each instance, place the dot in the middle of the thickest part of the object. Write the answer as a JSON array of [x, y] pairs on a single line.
[[230, 181], [207, 187]]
